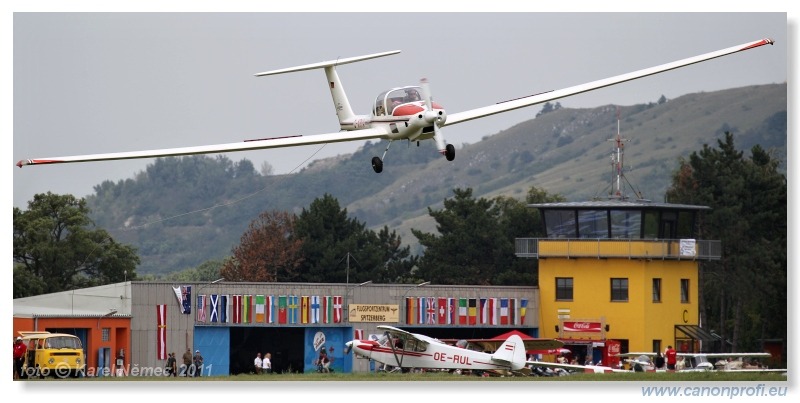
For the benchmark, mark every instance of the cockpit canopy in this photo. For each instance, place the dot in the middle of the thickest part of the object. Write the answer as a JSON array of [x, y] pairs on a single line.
[[390, 99]]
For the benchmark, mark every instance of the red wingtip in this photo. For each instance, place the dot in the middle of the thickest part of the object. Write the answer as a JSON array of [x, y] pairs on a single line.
[[20, 164]]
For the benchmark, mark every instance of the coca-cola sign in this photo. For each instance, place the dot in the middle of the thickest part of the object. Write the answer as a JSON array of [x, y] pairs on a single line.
[[591, 327]]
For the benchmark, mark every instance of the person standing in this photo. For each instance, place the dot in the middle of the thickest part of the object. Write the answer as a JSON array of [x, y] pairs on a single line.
[[198, 363], [19, 356], [172, 365], [187, 362], [257, 363], [659, 360], [266, 364], [672, 357]]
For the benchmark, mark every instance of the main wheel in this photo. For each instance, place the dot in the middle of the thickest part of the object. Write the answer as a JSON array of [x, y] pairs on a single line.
[[450, 152], [377, 165]]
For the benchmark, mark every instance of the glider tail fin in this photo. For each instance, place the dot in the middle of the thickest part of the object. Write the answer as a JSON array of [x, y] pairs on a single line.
[[343, 109], [513, 352]]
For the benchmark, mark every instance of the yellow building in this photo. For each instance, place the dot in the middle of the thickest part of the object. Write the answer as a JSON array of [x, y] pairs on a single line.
[[621, 270]]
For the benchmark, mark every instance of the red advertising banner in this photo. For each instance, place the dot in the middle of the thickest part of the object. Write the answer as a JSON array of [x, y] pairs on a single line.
[[588, 327]]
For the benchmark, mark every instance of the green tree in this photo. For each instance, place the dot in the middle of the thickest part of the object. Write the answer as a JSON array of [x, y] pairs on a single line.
[[330, 237], [59, 249], [744, 294], [476, 240]]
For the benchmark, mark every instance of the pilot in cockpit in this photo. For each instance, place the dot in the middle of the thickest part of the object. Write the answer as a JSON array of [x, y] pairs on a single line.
[[411, 95]]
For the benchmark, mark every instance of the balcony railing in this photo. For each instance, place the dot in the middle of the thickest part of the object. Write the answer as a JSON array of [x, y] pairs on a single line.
[[672, 249]]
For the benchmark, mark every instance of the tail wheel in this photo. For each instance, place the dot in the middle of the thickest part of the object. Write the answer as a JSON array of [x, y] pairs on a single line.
[[449, 152], [377, 165]]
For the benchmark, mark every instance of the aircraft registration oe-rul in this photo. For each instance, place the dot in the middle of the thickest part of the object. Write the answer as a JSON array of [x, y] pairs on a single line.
[[405, 350], [403, 113]]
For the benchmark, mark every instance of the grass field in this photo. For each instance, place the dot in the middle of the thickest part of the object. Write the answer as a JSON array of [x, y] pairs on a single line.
[[445, 377]]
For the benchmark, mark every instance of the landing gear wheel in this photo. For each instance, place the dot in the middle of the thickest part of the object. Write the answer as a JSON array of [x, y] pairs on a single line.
[[449, 152], [377, 165]]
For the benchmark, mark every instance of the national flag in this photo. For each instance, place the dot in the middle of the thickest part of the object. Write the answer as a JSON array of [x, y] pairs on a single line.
[[282, 314], [483, 312], [430, 311], [503, 311], [247, 309], [411, 310], [523, 306], [261, 301], [462, 311], [201, 308], [305, 309], [512, 311], [442, 303], [473, 311], [184, 295], [358, 334], [451, 311], [337, 309], [214, 300], [161, 336], [271, 310], [327, 309], [421, 310], [492, 311], [294, 306], [315, 309], [236, 300], [224, 308]]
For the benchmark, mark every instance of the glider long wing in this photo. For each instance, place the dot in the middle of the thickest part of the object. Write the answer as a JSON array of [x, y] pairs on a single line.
[[277, 142], [460, 117]]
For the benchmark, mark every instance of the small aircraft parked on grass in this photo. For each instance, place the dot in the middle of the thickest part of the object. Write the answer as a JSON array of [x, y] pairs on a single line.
[[402, 113], [401, 349], [701, 362]]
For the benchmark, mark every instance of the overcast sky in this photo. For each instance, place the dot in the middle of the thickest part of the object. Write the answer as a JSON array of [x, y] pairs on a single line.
[[104, 82]]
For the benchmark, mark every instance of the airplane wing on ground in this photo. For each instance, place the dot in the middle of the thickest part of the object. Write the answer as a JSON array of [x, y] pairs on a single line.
[[460, 117], [597, 369], [491, 345], [246, 145]]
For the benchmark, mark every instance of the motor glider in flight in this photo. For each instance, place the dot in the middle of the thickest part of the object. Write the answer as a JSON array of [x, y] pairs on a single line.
[[404, 113], [401, 349]]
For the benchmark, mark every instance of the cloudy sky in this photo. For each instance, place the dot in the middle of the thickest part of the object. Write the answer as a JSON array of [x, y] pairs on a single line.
[[105, 82]]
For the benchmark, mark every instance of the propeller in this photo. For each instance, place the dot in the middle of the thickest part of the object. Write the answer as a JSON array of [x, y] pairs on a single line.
[[436, 118]]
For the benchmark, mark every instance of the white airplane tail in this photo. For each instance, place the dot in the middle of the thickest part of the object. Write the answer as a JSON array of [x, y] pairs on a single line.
[[513, 352], [340, 102]]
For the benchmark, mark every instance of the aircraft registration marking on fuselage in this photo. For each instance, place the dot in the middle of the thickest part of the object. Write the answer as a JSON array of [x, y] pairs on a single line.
[[455, 359]]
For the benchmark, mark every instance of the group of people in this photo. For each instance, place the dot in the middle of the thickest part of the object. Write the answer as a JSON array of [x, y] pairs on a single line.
[[263, 365], [192, 364], [670, 358]]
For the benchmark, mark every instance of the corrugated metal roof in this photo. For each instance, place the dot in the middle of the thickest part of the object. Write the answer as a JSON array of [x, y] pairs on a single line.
[[618, 204]]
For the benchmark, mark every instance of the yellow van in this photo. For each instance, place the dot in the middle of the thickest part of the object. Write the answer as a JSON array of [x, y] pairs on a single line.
[[56, 355]]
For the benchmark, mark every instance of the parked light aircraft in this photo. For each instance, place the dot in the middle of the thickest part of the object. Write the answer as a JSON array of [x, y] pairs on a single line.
[[403, 113], [700, 362], [402, 349]]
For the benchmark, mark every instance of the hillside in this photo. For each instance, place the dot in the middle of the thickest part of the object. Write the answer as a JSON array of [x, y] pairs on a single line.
[[565, 151]]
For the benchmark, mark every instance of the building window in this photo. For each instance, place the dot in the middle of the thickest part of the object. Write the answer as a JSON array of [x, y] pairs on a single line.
[[619, 289], [564, 288], [656, 290], [684, 290], [106, 334]]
